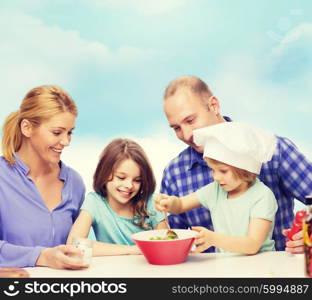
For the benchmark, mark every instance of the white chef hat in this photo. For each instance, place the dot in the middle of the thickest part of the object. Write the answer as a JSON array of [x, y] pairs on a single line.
[[237, 144]]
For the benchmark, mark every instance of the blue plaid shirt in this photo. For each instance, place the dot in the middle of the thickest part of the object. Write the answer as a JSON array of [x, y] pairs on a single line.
[[288, 174]]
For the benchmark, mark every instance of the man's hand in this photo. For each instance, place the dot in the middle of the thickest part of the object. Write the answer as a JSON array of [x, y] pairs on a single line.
[[296, 245]]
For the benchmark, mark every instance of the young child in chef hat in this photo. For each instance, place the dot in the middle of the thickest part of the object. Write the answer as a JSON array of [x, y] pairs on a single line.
[[242, 208]]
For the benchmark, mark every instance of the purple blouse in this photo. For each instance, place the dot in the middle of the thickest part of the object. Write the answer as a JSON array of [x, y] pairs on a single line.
[[27, 226]]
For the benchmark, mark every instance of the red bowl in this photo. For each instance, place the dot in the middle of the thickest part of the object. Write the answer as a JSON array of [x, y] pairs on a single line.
[[165, 252]]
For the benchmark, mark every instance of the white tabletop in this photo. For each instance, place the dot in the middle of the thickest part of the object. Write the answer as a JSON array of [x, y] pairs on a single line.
[[266, 264]]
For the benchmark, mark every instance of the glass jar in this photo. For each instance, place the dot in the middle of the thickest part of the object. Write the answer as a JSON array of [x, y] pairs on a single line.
[[85, 246], [307, 237]]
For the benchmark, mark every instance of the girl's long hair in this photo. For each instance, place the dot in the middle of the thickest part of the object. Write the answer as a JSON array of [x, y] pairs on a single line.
[[113, 154], [242, 174]]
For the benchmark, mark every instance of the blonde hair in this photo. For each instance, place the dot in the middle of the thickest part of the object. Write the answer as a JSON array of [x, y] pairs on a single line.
[[192, 83], [39, 105], [242, 174]]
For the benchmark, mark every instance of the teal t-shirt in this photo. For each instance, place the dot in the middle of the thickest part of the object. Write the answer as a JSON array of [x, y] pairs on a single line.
[[232, 216], [109, 227]]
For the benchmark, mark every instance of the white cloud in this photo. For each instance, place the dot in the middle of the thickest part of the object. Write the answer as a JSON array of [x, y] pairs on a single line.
[[238, 84], [250, 91], [33, 53], [291, 61], [25, 5], [243, 95], [145, 6], [301, 34], [52, 44]]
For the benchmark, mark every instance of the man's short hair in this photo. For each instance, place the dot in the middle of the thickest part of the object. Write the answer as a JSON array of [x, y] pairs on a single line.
[[192, 83]]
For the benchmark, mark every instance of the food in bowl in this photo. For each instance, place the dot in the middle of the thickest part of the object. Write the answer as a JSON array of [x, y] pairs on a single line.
[[165, 251], [170, 235]]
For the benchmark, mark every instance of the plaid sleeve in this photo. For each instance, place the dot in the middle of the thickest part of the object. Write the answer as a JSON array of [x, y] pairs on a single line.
[[295, 170]]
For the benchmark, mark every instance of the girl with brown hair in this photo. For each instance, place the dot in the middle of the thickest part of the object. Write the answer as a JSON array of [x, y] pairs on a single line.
[[121, 203]]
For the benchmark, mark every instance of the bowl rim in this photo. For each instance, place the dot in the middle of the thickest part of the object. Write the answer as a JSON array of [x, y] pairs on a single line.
[[190, 235]]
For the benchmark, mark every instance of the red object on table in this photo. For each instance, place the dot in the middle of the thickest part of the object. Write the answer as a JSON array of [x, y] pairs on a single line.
[[297, 224], [165, 252]]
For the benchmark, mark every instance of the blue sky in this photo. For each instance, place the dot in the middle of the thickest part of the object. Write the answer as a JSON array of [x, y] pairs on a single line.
[[115, 57]]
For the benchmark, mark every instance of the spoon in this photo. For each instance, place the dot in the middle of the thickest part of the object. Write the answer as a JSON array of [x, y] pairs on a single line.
[[170, 233]]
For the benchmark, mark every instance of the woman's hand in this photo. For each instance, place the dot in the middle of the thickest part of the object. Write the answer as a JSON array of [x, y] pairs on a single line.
[[203, 240], [62, 257], [296, 245]]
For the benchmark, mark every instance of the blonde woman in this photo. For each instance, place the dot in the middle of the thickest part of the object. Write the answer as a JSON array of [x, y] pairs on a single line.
[[40, 196]]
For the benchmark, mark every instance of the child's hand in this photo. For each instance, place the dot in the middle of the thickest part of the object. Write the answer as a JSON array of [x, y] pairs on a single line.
[[166, 203], [160, 202], [203, 240], [134, 250]]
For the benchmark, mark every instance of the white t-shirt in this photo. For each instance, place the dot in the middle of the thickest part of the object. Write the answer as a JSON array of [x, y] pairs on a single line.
[[232, 216]]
